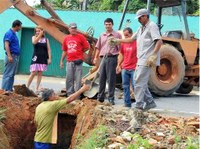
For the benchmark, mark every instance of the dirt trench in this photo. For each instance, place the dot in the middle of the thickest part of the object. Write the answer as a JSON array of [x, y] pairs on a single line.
[[18, 124], [80, 118]]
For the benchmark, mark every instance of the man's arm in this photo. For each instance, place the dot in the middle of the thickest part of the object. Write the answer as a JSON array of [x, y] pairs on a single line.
[[7, 48], [115, 41], [64, 54], [96, 58], [75, 95], [151, 61], [119, 62], [157, 46]]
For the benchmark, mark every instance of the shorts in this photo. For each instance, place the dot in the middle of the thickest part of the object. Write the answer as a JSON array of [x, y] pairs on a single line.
[[39, 145]]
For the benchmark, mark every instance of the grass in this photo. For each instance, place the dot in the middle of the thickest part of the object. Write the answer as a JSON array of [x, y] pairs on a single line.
[[139, 142], [2, 115], [98, 138]]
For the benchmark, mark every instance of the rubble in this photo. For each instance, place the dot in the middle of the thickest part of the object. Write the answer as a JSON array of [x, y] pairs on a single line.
[[126, 127]]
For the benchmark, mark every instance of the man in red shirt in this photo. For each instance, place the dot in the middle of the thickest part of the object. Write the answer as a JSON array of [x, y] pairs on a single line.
[[74, 46], [126, 63]]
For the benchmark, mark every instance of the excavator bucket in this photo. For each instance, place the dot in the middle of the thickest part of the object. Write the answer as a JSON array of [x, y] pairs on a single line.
[[5, 4]]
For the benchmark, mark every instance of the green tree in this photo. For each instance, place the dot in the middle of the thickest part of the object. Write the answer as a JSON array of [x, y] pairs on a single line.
[[114, 5], [133, 5], [193, 7]]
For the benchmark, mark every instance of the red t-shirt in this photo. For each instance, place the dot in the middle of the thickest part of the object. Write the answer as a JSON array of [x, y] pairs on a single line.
[[129, 51], [75, 45]]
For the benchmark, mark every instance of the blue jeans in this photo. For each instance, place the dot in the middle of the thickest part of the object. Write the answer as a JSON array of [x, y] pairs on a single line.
[[127, 78], [9, 73], [38, 145]]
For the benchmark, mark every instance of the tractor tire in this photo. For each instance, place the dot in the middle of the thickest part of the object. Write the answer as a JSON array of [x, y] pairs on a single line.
[[185, 88], [166, 79]]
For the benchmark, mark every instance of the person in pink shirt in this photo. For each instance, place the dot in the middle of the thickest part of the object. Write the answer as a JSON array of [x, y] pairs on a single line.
[[108, 57], [74, 46], [127, 61]]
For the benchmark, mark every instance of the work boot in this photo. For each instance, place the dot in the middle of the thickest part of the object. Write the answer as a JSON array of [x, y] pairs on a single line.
[[149, 106], [112, 102]]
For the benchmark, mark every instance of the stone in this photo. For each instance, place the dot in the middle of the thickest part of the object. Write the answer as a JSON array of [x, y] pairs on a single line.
[[127, 136], [114, 145]]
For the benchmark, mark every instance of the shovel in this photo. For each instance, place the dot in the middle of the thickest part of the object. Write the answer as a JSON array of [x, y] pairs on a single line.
[[94, 88]]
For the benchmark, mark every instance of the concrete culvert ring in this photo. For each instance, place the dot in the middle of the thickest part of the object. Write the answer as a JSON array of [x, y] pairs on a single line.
[[166, 79]]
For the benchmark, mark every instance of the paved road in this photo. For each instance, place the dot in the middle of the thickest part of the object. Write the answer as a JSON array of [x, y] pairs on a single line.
[[177, 104]]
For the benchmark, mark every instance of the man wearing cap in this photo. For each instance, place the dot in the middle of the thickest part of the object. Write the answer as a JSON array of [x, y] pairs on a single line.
[[46, 117], [148, 45], [74, 46]]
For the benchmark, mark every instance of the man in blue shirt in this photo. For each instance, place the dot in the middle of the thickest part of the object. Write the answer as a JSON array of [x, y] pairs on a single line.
[[12, 49]]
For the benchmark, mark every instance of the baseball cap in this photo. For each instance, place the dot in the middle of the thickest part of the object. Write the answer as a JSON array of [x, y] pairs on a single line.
[[72, 25], [141, 12]]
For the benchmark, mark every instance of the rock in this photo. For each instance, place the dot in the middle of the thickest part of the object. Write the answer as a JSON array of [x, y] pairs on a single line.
[[160, 134], [115, 145], [152, 141], [126, 135], [171, 140], [118, 139], [195, 124], [124, 118], [157, 138]]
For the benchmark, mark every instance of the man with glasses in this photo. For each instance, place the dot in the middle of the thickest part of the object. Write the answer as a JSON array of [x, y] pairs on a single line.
[[148, 45], [74, 46]]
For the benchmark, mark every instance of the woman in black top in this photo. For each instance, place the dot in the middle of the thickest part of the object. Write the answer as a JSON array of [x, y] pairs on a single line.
[[41, 56]]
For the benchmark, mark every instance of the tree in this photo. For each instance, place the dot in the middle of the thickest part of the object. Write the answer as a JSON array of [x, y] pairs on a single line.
[[113, 5]]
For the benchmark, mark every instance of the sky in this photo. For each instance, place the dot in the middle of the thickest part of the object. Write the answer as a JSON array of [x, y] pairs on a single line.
[[32, 2]]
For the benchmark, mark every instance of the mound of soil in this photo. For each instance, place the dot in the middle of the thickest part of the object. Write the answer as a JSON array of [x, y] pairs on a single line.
[[18, 128], [19, 123]]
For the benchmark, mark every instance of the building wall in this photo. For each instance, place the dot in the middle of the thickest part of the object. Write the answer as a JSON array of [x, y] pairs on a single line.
[[84, 20]]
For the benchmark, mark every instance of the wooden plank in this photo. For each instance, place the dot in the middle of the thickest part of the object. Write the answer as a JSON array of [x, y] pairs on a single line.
[[5, 4]]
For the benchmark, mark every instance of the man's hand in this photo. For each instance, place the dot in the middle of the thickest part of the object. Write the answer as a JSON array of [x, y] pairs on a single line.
[[86, 85], [61, 65], [10, 59], [118, 69], [151, 61], [95, 61], [113, 41]]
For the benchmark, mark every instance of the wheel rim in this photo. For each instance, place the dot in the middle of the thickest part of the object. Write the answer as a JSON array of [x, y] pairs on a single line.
[[166, 72]]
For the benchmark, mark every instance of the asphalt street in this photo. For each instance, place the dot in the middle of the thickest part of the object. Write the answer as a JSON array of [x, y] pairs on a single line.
[[175, 105]]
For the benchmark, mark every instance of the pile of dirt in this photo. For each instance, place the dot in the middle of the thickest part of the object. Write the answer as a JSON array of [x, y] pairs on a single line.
[[124, 124], [19, 126], [18, 123]]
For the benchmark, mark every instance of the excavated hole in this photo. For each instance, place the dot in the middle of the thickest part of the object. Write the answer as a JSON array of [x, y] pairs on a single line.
[[66, 125]]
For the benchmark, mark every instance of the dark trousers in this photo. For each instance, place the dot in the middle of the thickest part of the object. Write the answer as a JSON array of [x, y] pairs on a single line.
[[107, 73]]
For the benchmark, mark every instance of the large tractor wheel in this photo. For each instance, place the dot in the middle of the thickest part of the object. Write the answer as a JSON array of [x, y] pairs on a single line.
[[166, 79], [185, 88]]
